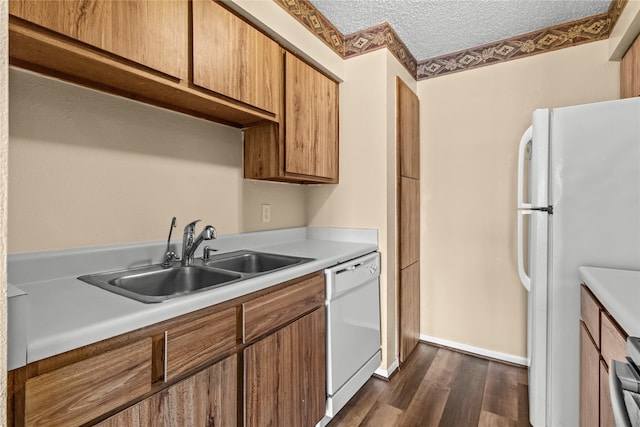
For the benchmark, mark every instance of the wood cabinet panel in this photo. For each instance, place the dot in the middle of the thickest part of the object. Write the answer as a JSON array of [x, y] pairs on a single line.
[[149, 32], [311, 121], [285, 375], [200, 341], [271, 311], [234, 59], [409, 204], [303, 147], [408, 128], [630, 71], [589, 380], [606, 409], [613, 341], [590, 311], [409, 294], [82, 391], [208, 398]]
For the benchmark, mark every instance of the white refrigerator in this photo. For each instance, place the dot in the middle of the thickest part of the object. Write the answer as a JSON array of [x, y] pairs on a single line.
[[578, 204]]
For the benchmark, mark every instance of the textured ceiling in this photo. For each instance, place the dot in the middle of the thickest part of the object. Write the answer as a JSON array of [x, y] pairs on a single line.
[[431, 28]]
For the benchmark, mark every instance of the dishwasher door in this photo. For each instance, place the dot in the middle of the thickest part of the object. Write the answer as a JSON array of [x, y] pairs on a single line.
[[353, 319]]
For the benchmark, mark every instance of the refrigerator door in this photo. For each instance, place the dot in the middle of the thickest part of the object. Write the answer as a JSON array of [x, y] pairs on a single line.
[[537, 328], [595, 171]]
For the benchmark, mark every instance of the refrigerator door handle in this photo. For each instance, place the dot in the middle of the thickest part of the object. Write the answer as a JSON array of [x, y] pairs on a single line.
[[526, 139], [524, 278]]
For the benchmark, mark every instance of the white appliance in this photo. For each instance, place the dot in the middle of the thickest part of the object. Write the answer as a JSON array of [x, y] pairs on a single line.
[[624, 386], [353, 329], [579, 204]]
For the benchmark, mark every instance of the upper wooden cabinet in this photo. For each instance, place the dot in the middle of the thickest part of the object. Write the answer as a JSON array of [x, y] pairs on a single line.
[[149, 32], [141, 49], [234, 59], [304, 146], [630, 71]]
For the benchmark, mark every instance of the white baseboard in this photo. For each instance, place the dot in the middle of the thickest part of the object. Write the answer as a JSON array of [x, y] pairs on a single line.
[[476, 350], [386, 373]]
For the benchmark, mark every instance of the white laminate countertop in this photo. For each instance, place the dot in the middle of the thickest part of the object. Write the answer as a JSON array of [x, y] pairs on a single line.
[[65, 313], [619, 293]]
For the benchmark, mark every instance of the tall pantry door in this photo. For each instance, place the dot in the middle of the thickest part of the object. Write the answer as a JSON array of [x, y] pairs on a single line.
[[408, 181]]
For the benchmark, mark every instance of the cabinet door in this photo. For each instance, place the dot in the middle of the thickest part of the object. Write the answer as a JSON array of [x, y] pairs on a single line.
[[208, 398], [285, 375], [630, 71], [311, 121], [153, 33], [234, 59], [589, 380], [606, 409]]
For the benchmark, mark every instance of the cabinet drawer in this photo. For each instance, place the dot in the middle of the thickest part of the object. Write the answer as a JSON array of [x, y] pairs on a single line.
[[196, 342], [590, 312], [78, 393], [613, 340], [270, 312]]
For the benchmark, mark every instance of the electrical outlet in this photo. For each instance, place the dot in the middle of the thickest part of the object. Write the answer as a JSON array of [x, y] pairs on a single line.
[[266, 213]]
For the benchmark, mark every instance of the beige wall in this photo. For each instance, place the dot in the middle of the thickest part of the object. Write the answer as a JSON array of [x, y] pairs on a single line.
[[365, 196], [360, 200], [4, 123], [87, 168], [471, 123]]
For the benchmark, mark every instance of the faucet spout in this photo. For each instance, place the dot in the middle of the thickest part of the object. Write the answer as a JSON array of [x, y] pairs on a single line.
[[190, 242]]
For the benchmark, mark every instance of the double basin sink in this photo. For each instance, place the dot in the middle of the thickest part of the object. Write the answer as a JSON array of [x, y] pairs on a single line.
[[154, 283]]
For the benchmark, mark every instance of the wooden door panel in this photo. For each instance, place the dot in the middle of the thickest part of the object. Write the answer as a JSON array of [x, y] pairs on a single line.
[[234, 59], [589, 380], [409, 309], [408, 128], [285, 375], [311, 126], [409, 195], [153, 33], [206, 398]]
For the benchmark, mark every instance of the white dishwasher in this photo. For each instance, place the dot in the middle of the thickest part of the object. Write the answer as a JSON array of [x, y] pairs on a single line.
[[353, 328]]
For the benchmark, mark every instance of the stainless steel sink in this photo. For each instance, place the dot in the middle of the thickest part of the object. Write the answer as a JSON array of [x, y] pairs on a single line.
[[155, 284], [249, 262]]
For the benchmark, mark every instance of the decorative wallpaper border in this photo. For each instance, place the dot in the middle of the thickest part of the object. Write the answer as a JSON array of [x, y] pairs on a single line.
[[585, 30], [379, 37], [316, 22]]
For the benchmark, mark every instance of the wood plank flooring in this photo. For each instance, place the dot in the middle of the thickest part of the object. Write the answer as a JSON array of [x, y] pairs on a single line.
[[439, 387]]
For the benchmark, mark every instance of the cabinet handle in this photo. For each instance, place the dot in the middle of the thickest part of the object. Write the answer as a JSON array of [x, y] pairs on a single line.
[[166, 352]]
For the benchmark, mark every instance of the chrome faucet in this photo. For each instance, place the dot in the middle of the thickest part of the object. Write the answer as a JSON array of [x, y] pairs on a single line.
[[169, 255], [191, 243]]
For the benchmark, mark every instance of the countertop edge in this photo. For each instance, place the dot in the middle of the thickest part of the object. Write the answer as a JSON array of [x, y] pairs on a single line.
[[127, 315], [618, 291]]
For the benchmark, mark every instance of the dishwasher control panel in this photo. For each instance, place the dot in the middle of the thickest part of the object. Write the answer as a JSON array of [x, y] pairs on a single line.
[[351, 274]]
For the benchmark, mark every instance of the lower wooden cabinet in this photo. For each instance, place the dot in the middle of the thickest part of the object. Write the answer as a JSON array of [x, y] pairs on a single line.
[[208, 398], [285, 375], [199, 369], [589, 380], [595, 356]]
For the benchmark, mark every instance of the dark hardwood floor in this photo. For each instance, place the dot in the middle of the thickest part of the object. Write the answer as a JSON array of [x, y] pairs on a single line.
[[441, 387]]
